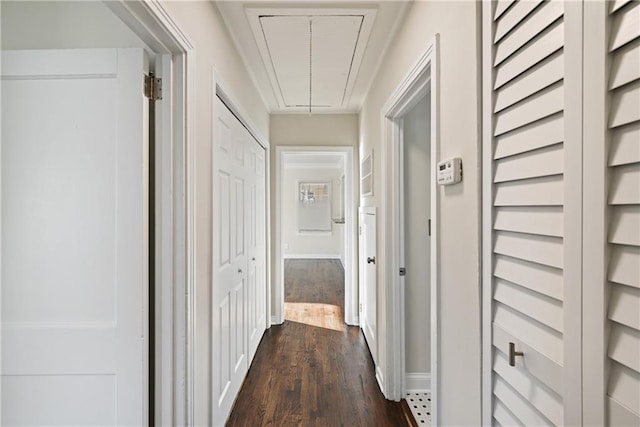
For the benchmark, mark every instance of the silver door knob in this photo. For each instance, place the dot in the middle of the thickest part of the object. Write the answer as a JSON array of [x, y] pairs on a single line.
[[371, 260]]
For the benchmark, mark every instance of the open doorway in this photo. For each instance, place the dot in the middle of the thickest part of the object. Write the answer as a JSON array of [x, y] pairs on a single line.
[[410, 238], [416, 252], [315, 236]]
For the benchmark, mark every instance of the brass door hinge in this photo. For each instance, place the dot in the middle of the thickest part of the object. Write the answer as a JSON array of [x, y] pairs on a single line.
[[152, 87]]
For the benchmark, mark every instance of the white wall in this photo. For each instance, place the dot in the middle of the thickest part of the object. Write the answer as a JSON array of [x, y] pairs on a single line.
[[312, 244], [457, 22], [60, 25], [417, 210]]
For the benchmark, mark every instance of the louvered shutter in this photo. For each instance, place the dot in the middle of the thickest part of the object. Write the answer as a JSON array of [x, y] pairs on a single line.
[[531, 231], [623, 350]]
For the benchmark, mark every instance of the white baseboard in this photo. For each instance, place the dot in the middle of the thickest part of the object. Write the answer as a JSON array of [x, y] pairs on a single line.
[[276, 321], [417, 382], [311, 256], [380, 380]]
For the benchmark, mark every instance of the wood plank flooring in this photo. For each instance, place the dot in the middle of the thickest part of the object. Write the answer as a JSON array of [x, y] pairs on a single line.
[[312, 375]]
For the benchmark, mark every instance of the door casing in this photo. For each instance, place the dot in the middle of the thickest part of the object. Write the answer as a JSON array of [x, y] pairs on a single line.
[[421, 79], [175, 201], [351, 252]]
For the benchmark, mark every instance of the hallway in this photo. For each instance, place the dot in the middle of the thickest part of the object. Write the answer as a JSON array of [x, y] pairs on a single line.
[[313, 375]]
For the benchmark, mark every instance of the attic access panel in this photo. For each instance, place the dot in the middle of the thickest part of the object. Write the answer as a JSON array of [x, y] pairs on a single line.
[[312, 54]]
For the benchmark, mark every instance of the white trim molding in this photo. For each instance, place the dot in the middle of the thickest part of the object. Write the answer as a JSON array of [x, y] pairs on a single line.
[[350, 234], [422, 79], [417, 382]]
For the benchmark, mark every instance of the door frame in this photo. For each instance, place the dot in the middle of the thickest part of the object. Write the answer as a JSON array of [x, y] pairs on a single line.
[[351, 254], [175, 206], [422, 78]]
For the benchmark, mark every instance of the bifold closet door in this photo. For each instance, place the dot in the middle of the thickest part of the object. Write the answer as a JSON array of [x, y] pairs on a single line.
[[532, 204], [238, 256]]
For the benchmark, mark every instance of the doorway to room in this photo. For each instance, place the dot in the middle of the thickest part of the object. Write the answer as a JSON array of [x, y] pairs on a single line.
[[315, 237]]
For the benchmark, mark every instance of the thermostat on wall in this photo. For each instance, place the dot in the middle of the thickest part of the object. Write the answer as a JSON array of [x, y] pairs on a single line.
[[449, 171]]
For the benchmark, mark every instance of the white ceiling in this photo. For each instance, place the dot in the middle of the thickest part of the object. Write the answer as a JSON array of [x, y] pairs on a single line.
[[326, 52]]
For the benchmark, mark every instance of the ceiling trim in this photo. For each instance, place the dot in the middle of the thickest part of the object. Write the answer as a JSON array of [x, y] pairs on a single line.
[[367, 11]]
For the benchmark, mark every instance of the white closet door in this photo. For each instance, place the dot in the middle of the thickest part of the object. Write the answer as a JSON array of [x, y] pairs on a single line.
[[229, 263], [623, 350], [256, 217], [532, 210], [74, 238]]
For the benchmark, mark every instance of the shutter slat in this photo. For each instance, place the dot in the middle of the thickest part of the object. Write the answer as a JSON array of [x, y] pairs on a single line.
[[545, 132], [545, 310], [545, 220], [625, 145], [546, 191], [550, 41], [527, 413], [618, 415], [623, 386], [536, 107], [617, 4], [542, 398], [624, 305], [538, 365], [625, 66], [513, 17], [625, 225], [503, 416], [530, 27], [532, 164], [625, 27], [501, 7], [623, 265], [548, 72], [625, 105], [540, 249], [623, 346], [625, 185], [540, 278], [542, 339]]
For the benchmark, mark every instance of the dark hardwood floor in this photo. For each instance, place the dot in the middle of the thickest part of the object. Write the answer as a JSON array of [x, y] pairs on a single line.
[[306, 374]]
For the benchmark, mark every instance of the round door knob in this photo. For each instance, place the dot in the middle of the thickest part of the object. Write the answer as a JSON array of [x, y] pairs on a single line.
[[253, 259], [371, 260], [240, 270]]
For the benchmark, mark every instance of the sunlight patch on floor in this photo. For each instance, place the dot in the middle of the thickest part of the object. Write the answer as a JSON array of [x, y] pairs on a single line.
[[314, 314]]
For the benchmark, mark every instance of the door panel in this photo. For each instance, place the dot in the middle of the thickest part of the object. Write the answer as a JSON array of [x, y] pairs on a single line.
[[533, 270], [368, 279], [239, 253], [74, 237]]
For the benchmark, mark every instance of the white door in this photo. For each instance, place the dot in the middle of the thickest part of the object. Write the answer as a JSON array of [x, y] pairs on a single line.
[[533, 205], [74, 238], [256, 295], [229, 285], [368, 279]]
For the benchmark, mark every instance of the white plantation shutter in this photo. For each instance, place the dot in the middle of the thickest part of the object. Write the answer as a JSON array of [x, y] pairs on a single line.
[[531, 150], [623, 161]]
